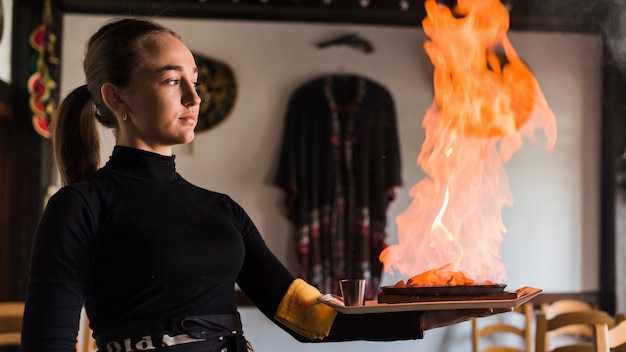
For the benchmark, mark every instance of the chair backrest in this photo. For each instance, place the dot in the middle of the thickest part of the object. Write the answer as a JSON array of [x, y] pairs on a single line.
[[617, 335], [11, 314], [561, 306], [597, 322], [504, 333], [614, 339], [564, 306]]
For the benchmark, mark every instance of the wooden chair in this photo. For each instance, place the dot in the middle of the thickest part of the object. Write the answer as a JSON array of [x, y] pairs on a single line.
[[577, 339], [616, 337], [11, 314], [561, 306], [500, 334], [612, 340]]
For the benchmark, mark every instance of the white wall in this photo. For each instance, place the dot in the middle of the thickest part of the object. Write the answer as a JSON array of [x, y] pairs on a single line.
[[552, 239], [5, 42]]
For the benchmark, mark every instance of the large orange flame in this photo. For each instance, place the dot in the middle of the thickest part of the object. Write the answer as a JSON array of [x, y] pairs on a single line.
[[485, 100]]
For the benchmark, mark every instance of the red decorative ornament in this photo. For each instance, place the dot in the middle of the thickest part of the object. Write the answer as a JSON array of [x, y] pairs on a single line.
[[41, 84]]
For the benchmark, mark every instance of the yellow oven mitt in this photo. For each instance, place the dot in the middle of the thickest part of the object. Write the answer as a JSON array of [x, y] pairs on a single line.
[[300, 311]]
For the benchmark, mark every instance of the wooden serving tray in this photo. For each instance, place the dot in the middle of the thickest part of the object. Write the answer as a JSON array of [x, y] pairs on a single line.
[[522, 296]]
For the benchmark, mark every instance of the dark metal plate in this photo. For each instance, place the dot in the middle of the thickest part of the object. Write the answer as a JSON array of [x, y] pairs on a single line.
[[467, 290]]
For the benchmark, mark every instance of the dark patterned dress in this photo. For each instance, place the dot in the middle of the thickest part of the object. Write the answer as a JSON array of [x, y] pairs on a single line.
[[339, 166]]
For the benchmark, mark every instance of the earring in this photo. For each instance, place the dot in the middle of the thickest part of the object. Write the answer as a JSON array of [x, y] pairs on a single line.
[[124, 117]]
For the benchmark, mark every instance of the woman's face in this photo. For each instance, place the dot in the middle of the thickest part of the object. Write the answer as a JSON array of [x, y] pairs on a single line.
[[161, 98]]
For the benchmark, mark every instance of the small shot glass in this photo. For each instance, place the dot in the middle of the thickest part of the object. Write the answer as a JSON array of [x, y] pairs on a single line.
[[353, 291]]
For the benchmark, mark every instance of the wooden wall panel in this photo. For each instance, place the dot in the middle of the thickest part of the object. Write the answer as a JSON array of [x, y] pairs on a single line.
[[6, 114], [613, 211], [25, 174]]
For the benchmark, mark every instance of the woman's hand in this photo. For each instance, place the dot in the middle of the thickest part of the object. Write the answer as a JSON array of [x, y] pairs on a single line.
[[437, 318]]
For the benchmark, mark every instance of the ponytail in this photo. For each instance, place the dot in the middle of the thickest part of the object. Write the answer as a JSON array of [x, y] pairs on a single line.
[[112, 55], [75, 137]]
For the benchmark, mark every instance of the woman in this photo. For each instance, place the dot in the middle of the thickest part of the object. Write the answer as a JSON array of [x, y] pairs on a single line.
[[153, 258]]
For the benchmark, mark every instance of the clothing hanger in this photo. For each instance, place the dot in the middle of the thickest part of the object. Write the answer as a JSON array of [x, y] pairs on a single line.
[[352, 40]]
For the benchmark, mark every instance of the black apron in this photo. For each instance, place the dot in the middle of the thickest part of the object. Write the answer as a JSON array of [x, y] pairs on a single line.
[[206, 333]]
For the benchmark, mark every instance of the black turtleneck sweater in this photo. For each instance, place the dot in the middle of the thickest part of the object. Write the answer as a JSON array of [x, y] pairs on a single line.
[[136, 242]]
